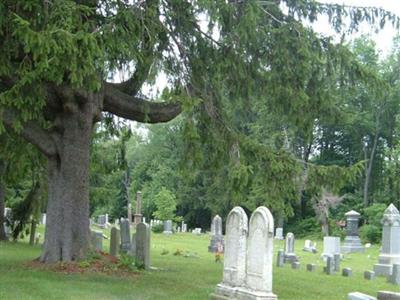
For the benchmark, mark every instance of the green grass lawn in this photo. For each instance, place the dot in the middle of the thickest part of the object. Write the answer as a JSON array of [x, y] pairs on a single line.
[[179, 277]]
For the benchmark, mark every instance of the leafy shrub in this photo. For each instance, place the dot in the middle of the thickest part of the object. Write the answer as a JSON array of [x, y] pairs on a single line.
[[374, 214], [371, 233], [178, 252], [126, 261], [158, 228], [308, 227]]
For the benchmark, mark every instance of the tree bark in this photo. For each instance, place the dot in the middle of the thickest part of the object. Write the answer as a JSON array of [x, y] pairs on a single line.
[[368, 169], [67, 225], [32, 233], [3, 236]]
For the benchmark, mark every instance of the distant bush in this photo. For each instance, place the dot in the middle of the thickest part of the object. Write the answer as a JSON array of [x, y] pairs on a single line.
[[371, 234], [305, 228], [158, 228]]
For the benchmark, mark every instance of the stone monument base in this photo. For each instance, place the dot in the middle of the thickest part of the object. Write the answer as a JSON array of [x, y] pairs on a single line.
[[167, 232], [290, 257], [216, 243], [223, 292], [383, 269], [352, 244]]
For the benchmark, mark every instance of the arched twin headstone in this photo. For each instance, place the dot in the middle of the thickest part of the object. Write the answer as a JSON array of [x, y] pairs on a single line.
[[248, 256]]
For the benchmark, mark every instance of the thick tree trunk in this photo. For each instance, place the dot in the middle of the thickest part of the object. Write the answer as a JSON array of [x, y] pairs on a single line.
[[67, 225], [368, 169], [32, 233], [3, 236]]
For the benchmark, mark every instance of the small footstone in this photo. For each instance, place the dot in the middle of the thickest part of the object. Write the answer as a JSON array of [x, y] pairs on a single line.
[[295, 265], [395, 277], [280, 260], [330, 266], [359, 296], [347, 272], [386, 295], [369, 275], [311, 267]]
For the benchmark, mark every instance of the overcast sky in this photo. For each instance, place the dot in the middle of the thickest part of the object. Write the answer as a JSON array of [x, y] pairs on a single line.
[[383, 38]]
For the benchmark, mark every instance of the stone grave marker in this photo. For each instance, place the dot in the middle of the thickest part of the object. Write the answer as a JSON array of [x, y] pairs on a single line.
[[234, 271], [331, 246], [143, 245], [290, 256], [114, 241], [217, 239], [369, 275], [347, 272], [168, 227], [280, 258], [125, 231], [352, 242], [279, 233], [395, 276], [390, 253]]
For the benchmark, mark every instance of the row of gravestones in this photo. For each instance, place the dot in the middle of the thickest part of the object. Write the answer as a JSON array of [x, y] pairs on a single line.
[[121, 241], [390, 251]]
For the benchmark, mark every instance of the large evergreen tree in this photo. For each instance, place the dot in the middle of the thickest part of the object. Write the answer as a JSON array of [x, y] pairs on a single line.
[[56, 55]]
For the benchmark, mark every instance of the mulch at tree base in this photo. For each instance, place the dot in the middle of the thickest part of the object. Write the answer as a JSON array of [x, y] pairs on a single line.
[[101, 263]]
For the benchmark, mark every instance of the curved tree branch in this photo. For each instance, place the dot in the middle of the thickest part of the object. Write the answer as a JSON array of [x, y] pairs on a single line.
[[33, 133], [136, 109]]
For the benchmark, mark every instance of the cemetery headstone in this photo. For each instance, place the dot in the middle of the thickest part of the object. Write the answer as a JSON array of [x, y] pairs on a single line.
[[390, 253], [143, 245], [309, 246], [388, 295], [280, 259], [369, 275], [234, 271], [184, 227], [125, 235], [133, 245], [290, 256], [359, 296], [279, 233], [114, 241], [331, 246], [295, 265], [336, 261], [352, 242], [395, 276], [97, 240], [330, 265], [43, 219], [217, 239], [311, 267], [259, 256], [347, 272], [167, 227], [138, 213], [101, 221]]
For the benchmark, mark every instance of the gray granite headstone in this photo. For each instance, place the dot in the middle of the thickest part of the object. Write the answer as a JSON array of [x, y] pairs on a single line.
[[114, 241], [359, 296], [388, 295], [279, 233], [347, 272], [167, 227], [97, 240], [290, 256], [331, 246], [217, 239], [143, 244], [295, 265], [336, 259], [369, 275], [330, 265], [390, 253], [133, 245], [352, 242], [311, 267], [280, 259], [395, 277], [125, 235]]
